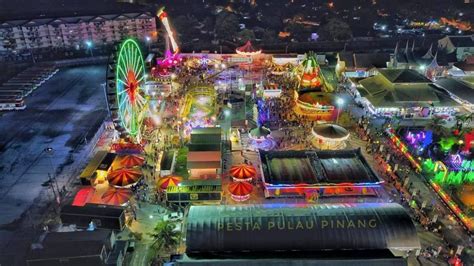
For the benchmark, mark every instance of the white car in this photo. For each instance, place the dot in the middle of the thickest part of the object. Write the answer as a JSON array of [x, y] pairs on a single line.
[[173, 217], [177, 227]]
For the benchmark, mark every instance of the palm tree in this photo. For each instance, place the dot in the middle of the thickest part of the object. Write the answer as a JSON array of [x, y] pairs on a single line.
[[164, 236], [462, 120], [437, 124]]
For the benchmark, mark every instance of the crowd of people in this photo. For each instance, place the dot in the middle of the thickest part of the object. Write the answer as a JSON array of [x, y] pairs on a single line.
[[395, 168]]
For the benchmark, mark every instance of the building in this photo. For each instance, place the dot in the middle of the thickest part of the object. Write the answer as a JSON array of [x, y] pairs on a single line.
[[357, 65], [81, 32], [464, 68], [461, 91], [462, 46], [102, 216], [313, 174], [98, 247], [278, 234], [408, 58], [204, 156], [403, 92]]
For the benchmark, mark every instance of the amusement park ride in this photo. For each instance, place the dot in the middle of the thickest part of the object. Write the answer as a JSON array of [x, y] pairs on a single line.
[[171, 57], [125, 82]]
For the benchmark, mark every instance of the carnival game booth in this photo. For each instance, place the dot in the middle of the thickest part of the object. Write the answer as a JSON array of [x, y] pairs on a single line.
[[279, 234], [195, 191], [329, 137], [313, 174]]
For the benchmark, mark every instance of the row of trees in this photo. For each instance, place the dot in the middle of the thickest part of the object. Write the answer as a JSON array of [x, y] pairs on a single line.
[[225, 27]]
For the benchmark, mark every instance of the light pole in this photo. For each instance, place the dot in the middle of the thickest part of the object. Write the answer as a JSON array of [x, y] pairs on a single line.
[[339, 103], [148, 39], [49, 151], [89, 47], [179, 195]]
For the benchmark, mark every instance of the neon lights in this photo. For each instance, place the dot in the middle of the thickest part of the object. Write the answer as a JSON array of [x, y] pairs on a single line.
[[455, 160], [403, 148], [447, 143], [310, 78], [439, 176], [130, 75], [452, 205]]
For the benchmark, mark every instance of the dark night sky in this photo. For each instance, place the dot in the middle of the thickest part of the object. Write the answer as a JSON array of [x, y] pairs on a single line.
[[24, 9]]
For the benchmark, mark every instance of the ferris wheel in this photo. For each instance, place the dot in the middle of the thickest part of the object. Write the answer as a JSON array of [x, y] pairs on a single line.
[[126, 78]]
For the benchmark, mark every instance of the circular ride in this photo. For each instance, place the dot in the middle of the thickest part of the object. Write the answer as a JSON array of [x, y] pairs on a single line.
[[312, 97], [329, 137], [125, 96]]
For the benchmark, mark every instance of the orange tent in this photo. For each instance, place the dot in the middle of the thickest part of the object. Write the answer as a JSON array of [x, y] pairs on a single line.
[[124, 177], [242, 172], [169, 180], [240, 190], [132, 160], [116, 197]]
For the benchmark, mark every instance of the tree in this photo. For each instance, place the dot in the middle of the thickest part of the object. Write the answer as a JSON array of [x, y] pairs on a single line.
[[185, 26], [208, 23], [462, 120], [437, 125], [246, 35], [164, 236], [273, 22], [269, 36], [336, 30], [227, 25]]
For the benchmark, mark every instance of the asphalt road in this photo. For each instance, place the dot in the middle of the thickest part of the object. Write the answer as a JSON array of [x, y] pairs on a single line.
[[59, 114]]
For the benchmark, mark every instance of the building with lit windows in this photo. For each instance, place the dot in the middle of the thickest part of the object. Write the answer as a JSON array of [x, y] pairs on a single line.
[[75, 32]]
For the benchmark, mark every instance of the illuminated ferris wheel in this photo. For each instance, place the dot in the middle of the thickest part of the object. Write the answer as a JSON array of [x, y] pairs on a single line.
[[125, 96]]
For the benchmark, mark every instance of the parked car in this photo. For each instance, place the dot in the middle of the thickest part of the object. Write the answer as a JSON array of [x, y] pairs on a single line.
[[173, 217]]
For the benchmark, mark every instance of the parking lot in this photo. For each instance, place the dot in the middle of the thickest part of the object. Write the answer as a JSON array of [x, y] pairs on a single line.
[[60, 114]]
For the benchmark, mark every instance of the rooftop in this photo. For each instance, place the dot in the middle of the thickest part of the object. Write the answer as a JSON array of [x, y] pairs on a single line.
[[461, 89], [312, 228], [462, 41], [364, 60], [316, 167], [382, 93], [403, 76]]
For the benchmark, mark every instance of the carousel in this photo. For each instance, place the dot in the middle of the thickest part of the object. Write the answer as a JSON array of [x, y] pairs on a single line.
[[329, 137], [240, 191], [260, 138], [248, 50]]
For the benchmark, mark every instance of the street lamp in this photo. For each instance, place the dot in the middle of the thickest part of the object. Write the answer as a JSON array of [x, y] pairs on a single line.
[[49, 151], [339, 103], [89, 46], [148, 39], [179, 195]]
